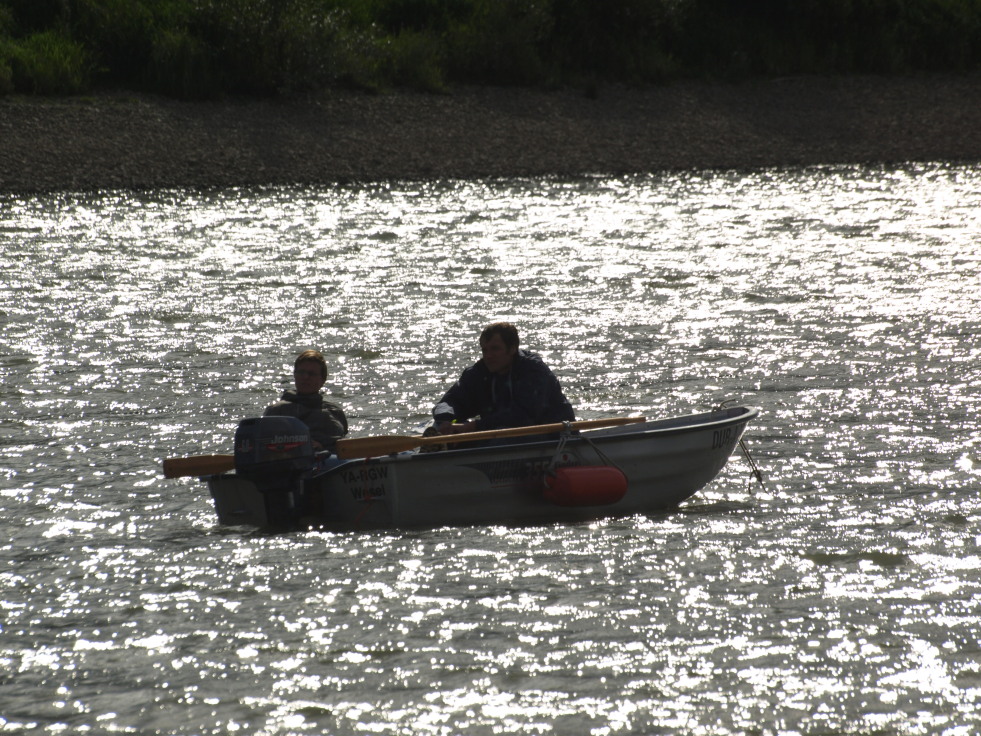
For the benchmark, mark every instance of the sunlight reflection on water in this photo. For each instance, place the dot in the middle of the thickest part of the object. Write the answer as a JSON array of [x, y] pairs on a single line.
[[843, 597]]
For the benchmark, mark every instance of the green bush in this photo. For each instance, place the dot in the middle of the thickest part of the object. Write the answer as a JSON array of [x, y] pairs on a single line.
[[502, 42], [120, 34], [48, 63], [414, 60], [180, 65], [6, 30], [775, 37], [943, 35], [6, 73], [619, 39], [205, 48], [280, 46]]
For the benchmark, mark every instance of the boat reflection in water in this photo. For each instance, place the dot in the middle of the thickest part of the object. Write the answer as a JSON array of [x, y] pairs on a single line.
[[576, 476]]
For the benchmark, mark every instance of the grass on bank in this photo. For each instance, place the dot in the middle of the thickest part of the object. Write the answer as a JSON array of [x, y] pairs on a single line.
[[207, 48]]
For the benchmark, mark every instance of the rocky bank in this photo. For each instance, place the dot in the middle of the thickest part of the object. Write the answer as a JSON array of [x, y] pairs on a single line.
[[125, 141]]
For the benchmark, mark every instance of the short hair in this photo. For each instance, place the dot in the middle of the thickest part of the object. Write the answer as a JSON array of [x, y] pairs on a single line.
[[507, 331], [312, 356]]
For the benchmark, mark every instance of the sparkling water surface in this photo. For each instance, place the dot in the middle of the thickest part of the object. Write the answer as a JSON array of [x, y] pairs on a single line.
[[842, 597]]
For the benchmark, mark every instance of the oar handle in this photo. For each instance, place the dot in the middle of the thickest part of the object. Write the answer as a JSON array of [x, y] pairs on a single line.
[[176, 467]]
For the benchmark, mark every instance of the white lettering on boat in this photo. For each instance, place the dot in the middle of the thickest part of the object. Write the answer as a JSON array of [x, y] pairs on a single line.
[[507, 472], [286, 439], [721, 438], [366, 483], [365, 474], [367, 494]]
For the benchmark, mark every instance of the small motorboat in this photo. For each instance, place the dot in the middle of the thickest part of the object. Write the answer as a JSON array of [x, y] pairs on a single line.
[[563, 473]]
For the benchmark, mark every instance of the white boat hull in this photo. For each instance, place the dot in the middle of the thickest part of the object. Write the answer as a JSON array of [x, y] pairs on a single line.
[[664, 462]]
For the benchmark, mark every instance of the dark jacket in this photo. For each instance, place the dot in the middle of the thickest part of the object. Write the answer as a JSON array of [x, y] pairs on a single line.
[[326, 420], [529, 394]]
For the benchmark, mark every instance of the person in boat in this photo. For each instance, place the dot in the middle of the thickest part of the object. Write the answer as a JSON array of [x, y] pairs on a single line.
[[325, 419], [507, 387]]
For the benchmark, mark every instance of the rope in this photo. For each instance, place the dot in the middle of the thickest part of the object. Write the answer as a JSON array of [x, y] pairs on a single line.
[[564, 437], [752, 463], [742, 445], [602, 455], [549, 471]]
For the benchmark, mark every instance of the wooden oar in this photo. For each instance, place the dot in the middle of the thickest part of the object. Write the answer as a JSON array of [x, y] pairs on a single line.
[[176, 467], [388, 444]]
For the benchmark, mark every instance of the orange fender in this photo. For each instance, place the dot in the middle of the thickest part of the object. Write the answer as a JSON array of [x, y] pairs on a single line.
[[585, 485]]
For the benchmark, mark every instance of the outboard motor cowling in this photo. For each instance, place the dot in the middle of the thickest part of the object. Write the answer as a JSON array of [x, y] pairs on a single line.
[[275, 453], [272, 445]]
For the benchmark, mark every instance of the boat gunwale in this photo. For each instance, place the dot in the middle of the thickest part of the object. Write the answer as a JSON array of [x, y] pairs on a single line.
[[607, 435]]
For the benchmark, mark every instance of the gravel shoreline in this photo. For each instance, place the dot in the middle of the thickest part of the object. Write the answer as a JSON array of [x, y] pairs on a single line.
[[141, 142]]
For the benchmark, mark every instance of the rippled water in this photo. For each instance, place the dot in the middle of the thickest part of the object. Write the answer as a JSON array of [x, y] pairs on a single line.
[[844, 597]]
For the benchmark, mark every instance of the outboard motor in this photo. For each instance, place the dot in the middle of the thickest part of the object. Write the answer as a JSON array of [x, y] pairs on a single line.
[[275, 453]]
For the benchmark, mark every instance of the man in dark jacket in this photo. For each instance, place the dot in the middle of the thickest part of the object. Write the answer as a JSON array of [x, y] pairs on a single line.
[[507, 387], [325, 419]]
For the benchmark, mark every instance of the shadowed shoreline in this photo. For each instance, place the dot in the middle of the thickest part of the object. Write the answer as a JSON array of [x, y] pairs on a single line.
[[140, 142]]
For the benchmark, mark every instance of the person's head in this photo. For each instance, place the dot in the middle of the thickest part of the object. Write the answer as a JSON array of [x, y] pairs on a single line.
[[498, 346], [309, 372]]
